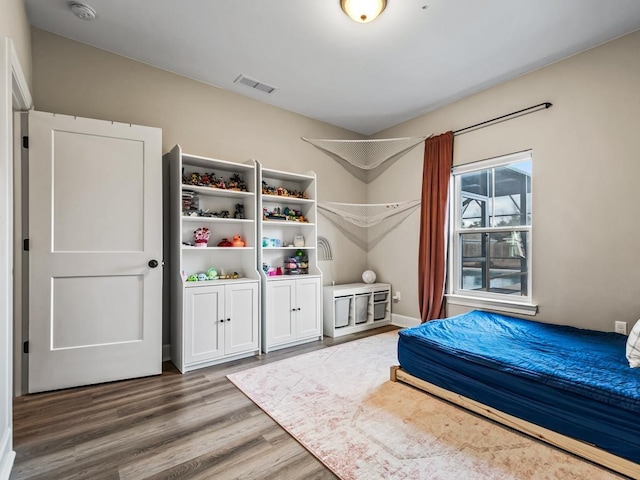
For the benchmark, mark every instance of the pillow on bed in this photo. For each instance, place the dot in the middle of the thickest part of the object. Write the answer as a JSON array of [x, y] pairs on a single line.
[[633, 346]]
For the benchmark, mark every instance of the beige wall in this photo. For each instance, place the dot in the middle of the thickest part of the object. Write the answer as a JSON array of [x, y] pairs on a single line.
[[586, 170], [75, 79], [585, 267], [13, 23]]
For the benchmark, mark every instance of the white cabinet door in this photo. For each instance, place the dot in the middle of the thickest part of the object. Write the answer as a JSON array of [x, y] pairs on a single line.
[[241, 318], [95, 227], [281, 327], [203, 323], [308, 311]]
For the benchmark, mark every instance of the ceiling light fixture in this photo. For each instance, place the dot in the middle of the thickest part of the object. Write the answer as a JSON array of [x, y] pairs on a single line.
[[363, 11], [82, 11]]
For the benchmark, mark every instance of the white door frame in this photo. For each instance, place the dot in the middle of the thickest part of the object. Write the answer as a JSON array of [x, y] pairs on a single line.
[[14, 95]]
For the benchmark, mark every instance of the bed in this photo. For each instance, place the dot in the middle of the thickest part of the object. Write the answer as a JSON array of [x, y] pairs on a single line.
[[570, 387]]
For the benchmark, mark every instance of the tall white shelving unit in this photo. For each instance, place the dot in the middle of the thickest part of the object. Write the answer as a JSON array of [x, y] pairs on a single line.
[[291, 300], [216, 320]]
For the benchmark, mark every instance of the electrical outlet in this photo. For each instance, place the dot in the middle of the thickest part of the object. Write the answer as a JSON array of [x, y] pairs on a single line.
[[397, 297], [621, 327]]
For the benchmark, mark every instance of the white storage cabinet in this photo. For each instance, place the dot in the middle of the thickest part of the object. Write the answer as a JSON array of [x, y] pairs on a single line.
[[293, 311], [292, 296], [217, 320], [355, 307]]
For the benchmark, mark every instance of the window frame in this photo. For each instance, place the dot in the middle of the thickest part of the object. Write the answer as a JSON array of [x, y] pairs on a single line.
[[520, 304]]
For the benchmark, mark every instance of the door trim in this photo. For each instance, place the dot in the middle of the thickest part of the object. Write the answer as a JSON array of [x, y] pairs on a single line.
[[14, 94]]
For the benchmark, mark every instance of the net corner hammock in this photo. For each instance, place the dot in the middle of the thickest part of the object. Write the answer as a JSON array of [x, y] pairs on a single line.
[[374, 220], [366, 154]]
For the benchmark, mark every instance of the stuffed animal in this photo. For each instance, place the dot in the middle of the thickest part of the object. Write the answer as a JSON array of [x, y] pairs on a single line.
[[192, 278], [202, 277], [212, 274]]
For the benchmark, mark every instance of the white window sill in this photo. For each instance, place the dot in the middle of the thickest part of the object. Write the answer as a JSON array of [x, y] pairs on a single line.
[[493, 304]]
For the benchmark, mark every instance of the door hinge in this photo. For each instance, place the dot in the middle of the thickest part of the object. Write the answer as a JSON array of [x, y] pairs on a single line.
[[25, 244], [25, 347], [25, 142]]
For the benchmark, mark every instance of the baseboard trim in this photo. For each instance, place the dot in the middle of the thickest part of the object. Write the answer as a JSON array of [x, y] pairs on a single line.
[[6, 455], [404, 321], [166, 352]]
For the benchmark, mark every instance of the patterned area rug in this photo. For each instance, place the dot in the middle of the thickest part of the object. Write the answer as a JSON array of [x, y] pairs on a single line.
[[339, 403]]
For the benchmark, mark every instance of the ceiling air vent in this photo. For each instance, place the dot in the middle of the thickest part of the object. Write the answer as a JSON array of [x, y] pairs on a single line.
[[249, 82]]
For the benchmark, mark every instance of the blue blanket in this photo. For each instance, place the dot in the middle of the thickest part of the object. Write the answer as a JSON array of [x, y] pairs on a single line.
[[573, 381], [586, 362]]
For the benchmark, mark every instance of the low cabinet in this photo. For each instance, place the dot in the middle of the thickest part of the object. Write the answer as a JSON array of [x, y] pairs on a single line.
[[221, 321], [293, 312]]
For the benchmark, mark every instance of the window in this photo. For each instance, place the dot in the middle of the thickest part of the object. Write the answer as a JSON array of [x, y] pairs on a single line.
[[490, 255]]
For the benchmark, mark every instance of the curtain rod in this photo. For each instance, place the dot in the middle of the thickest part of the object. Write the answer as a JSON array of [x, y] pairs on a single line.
[[524, 111]]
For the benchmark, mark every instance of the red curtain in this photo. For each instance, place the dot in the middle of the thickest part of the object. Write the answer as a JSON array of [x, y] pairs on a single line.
[[432, 255]]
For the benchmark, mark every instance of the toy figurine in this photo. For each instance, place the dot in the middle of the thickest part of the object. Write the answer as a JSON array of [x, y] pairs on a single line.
[[201, 236], [238, 242], [205, 180], [202, 277], [239, 213], [195, 179], [192, 278], [212, 274], [225, 243]]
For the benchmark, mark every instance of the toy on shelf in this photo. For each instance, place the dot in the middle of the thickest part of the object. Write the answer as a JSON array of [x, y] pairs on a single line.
[[296, 265], [236, 183], [228, 276], [238, 242], [239, 213], [198, 179], [212, 274], [281, 191], [225, 243], [201, 236]]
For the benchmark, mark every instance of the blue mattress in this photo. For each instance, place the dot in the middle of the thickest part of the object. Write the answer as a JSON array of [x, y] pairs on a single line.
[[573, 381]]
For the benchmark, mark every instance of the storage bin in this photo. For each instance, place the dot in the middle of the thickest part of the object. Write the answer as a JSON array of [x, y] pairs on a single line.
[[380, 296], [342, 306], [379, 311], [362, 307]]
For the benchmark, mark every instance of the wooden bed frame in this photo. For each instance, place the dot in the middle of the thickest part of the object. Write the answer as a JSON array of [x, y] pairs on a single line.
[[577, 447]]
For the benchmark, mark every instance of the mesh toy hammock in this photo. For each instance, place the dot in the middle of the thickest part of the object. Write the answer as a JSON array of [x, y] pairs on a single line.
[[366, 155], [374, 220]]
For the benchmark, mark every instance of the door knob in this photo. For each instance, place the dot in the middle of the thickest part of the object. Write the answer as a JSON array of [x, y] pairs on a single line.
[[153, 263]]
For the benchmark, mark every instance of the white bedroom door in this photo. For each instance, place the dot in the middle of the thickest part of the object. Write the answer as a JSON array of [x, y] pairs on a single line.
[[95, 251]]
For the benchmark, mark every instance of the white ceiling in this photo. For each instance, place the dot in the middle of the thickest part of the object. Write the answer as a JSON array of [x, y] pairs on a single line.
[[363, 77]]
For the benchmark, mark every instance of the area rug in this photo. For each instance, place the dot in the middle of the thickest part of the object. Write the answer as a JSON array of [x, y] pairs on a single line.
[[338, 403]]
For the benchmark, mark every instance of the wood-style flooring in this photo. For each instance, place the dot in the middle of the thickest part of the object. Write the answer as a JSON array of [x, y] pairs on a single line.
[[171, 426]]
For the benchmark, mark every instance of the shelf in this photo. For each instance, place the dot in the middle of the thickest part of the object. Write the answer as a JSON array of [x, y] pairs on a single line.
[[186, 247], [217, 192], [288, 248], [271, 174], [208, 283], [189, 160], [284, 199], [215, 220], [276, 278], [287, 223]]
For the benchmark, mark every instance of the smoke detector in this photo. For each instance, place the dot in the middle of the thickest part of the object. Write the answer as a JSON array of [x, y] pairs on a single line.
[[82, 11]]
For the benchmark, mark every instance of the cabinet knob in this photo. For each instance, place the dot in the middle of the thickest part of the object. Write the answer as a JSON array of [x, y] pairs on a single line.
[[293, 309], [222, 320], [228, 319], [298, 308]]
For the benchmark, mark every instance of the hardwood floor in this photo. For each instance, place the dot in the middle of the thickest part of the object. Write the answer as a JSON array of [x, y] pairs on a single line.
[[171, 426]]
